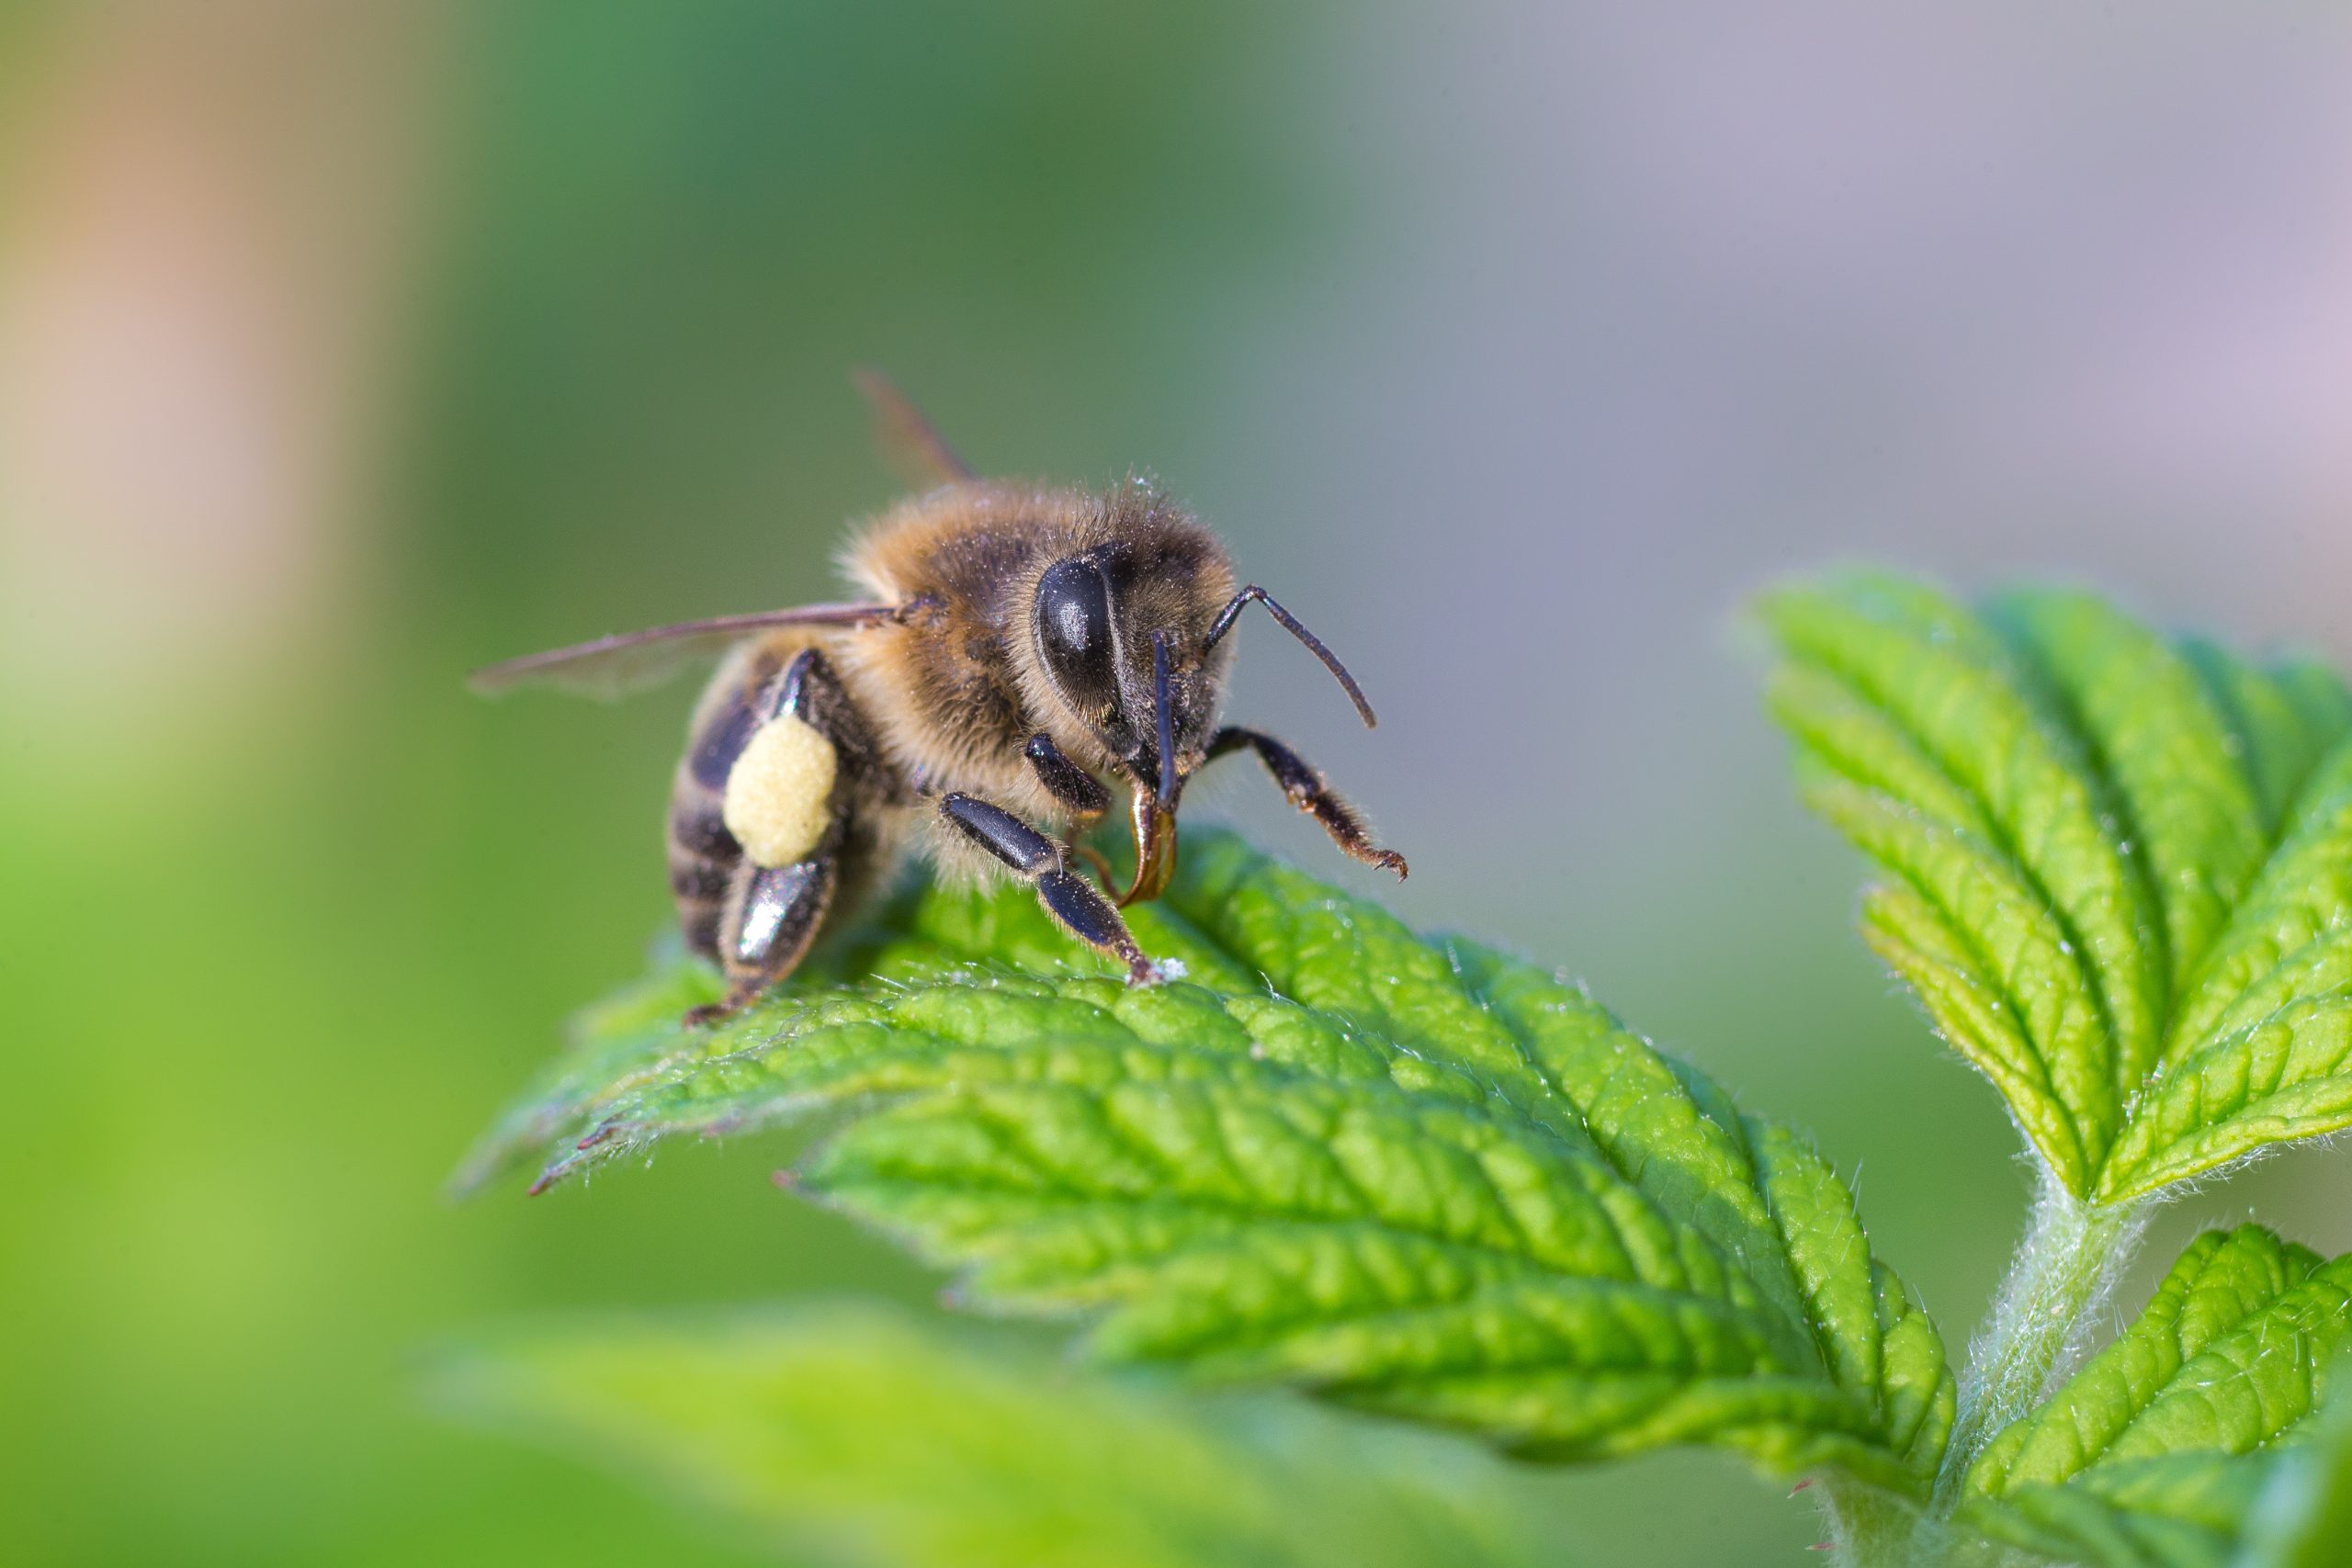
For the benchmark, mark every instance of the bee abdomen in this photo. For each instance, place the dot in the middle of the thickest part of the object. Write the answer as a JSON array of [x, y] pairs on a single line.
[[701, 876], [703, 858], [700, 921], [698, 826]]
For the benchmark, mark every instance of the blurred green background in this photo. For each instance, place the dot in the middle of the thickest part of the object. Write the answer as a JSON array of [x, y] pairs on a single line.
[[343, 348]]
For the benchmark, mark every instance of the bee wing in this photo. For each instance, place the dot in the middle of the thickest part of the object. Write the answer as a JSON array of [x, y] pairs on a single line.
[[629, 661], [909, 441]]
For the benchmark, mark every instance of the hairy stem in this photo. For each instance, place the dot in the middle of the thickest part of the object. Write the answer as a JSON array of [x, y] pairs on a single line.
[[2058, 1285]]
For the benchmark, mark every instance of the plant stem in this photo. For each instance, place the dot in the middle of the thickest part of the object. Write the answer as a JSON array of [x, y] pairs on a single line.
[[2058, 1284]]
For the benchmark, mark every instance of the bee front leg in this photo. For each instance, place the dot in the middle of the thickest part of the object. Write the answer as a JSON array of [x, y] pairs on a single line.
[[1079, 791], [1306, 790], [1072, 785], [1037, 860]]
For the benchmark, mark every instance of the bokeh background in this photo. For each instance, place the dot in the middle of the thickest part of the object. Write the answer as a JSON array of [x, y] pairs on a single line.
[[344, 347]]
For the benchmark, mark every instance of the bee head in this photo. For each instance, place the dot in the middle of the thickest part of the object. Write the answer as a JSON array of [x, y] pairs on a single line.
[[1130, 644], [1123, 644]]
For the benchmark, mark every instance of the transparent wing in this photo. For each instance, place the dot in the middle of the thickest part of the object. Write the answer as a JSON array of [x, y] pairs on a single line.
[[630, 661], [909, 441]]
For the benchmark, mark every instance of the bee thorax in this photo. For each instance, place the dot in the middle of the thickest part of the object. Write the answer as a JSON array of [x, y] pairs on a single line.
[[779, 793]]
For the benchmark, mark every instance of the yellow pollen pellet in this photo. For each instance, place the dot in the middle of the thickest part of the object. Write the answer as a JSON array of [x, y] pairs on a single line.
[[779, 793]]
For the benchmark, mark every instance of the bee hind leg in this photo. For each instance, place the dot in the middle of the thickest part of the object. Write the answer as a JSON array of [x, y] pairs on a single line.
[[773, 914], [1038, 861], [1304, 785]]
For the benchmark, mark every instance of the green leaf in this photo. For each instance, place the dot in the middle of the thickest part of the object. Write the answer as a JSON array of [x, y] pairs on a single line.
[[1420, 1179], [2230, 1352], [2160, 1447], [2303, 1518], [2119, 868], [852, 1436], [2185, 1511]]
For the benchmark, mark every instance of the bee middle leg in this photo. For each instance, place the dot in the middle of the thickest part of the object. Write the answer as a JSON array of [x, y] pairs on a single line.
[[1037, 860], [1304, 785]]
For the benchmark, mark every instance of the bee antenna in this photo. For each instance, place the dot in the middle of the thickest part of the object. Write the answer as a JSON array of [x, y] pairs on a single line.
[[1232, 613], [1164, 711]]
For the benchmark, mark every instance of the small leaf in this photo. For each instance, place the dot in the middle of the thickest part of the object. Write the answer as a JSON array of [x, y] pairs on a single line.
[[856, 1437], [2185, 1511], [2119, 869], [2303, 1518], [2158, 1448], [2230, 1352], [1419, 1179]]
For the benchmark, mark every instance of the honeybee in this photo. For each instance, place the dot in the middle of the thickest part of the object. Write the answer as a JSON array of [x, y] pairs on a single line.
[[1018, 645]]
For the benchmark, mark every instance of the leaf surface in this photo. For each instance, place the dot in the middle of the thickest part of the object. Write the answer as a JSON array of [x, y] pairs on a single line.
[[2118, 867], [2303, 1518], [1416, 1178], [855, 1437]]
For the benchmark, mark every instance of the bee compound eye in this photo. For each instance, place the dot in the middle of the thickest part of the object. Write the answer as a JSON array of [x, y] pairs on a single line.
[[1073, 622]]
